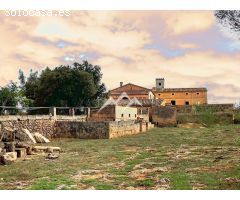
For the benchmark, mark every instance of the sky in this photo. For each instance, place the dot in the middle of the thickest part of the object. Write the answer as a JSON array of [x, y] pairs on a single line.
[[187, 48]]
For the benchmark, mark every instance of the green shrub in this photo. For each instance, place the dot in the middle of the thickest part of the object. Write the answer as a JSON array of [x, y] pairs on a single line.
[[208, 118], [237, 116]]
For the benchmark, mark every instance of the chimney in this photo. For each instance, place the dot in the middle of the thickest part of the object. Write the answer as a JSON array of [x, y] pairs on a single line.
[[121, 84]]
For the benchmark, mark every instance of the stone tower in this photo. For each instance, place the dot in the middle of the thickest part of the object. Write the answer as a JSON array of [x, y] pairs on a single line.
[[159, 83]]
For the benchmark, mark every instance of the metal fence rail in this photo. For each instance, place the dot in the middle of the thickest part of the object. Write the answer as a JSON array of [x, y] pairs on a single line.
[[45, 111]]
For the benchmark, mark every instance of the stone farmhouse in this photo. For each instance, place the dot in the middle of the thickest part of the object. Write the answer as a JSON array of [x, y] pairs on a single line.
[[168, 96]]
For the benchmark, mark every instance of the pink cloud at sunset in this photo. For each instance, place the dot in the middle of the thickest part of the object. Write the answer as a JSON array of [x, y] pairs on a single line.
[[187, 48]]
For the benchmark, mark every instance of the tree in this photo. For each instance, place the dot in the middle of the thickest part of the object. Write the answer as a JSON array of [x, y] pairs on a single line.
[[8, 95], [11, 95], [31, 85], [21, 77], [97, 76], [77, 85], [229, 20]]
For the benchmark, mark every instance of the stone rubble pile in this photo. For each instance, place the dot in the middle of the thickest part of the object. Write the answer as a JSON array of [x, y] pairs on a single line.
[[18, 143]]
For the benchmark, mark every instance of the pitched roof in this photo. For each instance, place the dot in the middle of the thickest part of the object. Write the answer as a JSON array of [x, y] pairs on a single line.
[[140, 90], [131, 92], [143, 102]]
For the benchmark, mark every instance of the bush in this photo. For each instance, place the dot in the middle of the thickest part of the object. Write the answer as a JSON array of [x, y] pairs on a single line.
[[207, 118], [237, 116]]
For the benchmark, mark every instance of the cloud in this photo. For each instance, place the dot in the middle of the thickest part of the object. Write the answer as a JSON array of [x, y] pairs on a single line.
[[187, 46], [182, 22], [130, 46]]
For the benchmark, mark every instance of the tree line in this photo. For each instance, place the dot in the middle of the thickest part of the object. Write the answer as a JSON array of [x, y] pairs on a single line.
[[64, 86]]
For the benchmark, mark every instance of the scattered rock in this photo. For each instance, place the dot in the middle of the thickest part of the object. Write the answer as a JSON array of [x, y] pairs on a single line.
[[52, 149], [40, 138], [8, 158], [8, 134], [64, 187], [52, 156], [27, 145], [142, 173], [10, 146], [198, 186], [218, 158], [2, 145], [190, 125], [91, 188], [130, 188], [25, 135], [93, 174], [232, 180], [61, 187], [164, 181], [48, 149]]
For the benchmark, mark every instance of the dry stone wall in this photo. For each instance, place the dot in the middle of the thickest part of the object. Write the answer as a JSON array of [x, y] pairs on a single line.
[[122, 128], [164, 116], [43, 126], [98, 130], [82, 130], [51, 128]]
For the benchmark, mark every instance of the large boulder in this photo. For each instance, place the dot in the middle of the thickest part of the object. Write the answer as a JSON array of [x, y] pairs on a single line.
[[2, 145], [8, 158], [10, 146], [40, 138], [25, 135]]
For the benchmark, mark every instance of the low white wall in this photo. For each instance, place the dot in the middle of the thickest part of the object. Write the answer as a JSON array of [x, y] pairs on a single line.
[[129, 113]]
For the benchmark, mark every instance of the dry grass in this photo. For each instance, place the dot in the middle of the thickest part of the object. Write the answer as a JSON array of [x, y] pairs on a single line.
[[163, 158]]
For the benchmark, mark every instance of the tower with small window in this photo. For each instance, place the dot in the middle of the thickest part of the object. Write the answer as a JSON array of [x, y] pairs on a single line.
[[159, 83]]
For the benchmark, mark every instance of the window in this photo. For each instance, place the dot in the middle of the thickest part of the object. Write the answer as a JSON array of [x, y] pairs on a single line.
[[187, 103], [197, 93], [186, 93], [122, 115], [129, 115], [159, 94], [135, 115], [159, 84], [173, 94], [173, 102]]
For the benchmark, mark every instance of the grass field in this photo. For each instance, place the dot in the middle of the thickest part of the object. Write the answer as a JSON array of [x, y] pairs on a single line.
[[163, 158]]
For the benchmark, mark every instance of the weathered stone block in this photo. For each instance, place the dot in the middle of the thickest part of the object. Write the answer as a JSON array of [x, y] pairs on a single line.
[[8, 158], [2, 145], [40, 138], [21, 152], [10, 146], [25, 135]]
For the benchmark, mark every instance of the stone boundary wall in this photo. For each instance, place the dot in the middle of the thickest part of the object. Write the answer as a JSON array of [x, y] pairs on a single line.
[[99, 130], [43, 126], [82, 130], [122, 128], [78, 129], [164, 116], [41, 117]]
